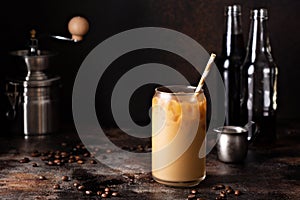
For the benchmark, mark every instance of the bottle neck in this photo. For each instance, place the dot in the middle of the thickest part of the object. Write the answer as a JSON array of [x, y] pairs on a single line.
[[232, 33], [258, 42]]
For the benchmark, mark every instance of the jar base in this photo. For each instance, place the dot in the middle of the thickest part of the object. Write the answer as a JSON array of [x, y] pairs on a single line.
[[179, 183]]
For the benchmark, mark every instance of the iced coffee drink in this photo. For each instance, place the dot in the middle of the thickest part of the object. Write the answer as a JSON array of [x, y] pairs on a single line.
[[178, 136]]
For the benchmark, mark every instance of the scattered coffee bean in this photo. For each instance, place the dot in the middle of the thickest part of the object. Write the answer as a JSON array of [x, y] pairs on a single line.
[[77, 158], [191, 196], [104, 195], [56, 161], [114, 194], [99, 193], [214, 188], [106, 189], [230, 191], [50, 163], [227, 187], [56, 186], [76, 184], [80, 161], [80, 187], [223, 194], [25, 160], [44, 158], [57, 157], [65, 178], [93, 162], [64, 154], [63, 144], [220, 186], [71, 160], [88, 192], [42, 178], [237, 193], [218, 198], [34, 165], [194, 191], [35, 154], [86, 154]]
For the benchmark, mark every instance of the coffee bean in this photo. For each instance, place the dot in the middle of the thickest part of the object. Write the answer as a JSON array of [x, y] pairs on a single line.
[[200, 198], [42, 178], [223, 194], [93, 162], [194, 191], [57, 156], [99, 193], [63, 144], [71, 160], [88, 192], [34, 165], [80, 161], [25, 160], [227, 187], [237, 192], [80, 187], [104, 195], [35, 154], [218, 198], [56, 161], [50, 163], [191, 196], [229, 191], [44, 158], [76, 184], [107, 189], [114, 194], [65, 178], [86, 154], [56, 186], [64, 154], [214, 188], [220, 186]]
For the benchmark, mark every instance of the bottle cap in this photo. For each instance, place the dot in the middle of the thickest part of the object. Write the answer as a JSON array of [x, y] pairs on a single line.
[[261, 13], [233, 10]]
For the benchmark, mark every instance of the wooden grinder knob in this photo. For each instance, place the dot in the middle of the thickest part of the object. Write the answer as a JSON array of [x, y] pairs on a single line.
[[78, 26]]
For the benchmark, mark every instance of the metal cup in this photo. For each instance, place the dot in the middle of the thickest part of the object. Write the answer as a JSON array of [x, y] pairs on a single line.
[[232, 146]]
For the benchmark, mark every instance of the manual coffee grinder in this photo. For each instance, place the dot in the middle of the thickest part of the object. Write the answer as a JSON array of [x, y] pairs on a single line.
[[34, 96]]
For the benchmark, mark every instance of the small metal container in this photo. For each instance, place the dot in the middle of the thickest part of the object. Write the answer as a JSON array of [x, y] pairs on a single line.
[[232, 146]]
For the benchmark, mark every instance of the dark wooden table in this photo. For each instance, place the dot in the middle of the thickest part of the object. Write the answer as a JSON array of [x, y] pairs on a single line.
[[269, 172]]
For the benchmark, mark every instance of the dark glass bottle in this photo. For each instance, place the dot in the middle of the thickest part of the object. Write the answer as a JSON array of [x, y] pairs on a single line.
[[259, 92], [230, 61]]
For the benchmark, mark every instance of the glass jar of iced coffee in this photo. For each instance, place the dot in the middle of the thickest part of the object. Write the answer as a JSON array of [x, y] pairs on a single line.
[[178, 136]]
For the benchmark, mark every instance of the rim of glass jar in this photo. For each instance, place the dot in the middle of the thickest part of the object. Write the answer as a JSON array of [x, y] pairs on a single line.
[[179, 93]]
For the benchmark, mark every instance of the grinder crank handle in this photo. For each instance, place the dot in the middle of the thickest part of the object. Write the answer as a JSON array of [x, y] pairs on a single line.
[[78, 26]]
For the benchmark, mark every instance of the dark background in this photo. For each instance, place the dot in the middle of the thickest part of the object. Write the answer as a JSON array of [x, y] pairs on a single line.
[[202, 20]]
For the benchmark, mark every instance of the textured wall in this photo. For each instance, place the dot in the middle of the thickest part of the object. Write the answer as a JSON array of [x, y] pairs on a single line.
[[200, 19]]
